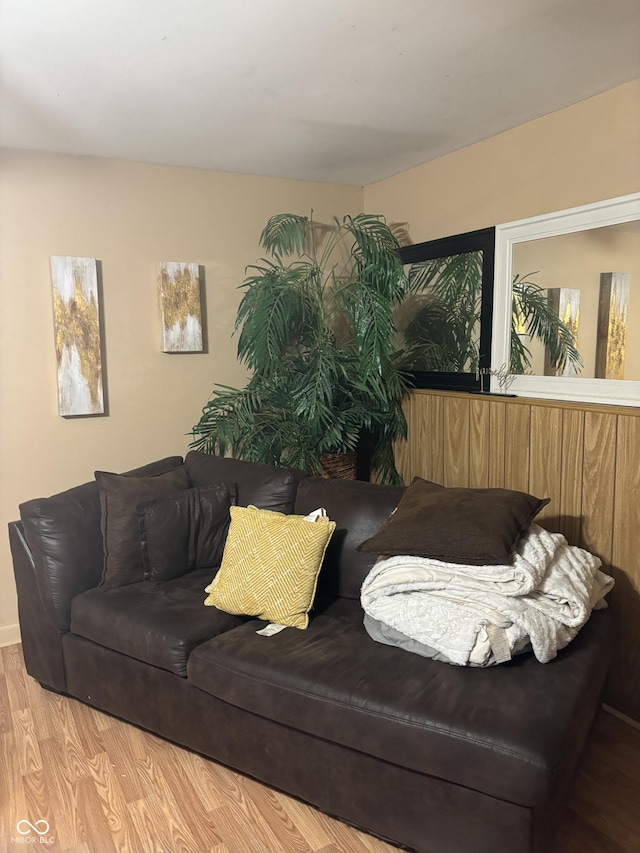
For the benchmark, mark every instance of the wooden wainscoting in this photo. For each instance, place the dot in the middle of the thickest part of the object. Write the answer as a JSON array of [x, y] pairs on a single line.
[[586, 458]]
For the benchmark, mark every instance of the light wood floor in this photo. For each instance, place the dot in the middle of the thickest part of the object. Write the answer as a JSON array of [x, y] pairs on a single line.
[[104, 786]]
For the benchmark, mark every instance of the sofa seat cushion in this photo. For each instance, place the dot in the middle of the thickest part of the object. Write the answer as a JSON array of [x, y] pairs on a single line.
[[156, 623], [514, 731]]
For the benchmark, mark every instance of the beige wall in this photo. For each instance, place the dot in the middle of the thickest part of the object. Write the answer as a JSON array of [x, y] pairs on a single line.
[[128, 216], [585, 153]]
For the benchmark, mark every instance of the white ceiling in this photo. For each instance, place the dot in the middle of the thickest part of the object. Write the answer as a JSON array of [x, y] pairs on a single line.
[[333, 90]]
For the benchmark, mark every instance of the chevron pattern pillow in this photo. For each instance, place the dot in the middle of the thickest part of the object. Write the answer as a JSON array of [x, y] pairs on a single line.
[[270, 565]]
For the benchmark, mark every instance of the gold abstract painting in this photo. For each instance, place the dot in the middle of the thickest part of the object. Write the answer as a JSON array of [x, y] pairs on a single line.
[[76, 313], [180, 307], [565, 303], [611, 343]]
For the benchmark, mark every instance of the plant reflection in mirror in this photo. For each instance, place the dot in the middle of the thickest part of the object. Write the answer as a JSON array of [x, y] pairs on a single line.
[[440, 320], [533, 316], [444, 298]]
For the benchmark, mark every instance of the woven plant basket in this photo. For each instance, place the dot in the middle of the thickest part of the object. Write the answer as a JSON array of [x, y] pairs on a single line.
[[339, 466]]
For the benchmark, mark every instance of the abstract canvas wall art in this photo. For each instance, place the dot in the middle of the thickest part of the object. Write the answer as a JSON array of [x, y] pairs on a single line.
[[180, 302], [611, 343], [76, 313], [565, 303]]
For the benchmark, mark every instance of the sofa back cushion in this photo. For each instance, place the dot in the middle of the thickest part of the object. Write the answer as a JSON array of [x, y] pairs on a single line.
[[63, 533], [185, 531], [358, 509], [264, 486], [120, 495]]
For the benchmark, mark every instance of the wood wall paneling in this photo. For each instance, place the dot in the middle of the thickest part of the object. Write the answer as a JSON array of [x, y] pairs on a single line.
[[456, 441], [479, 444], [586, 458], [624, 679], [517, 441], [497, 420], [426, 437], [427, 432], [571, 475], [545, 449], [436, 425], [598, 483], [402, 450]]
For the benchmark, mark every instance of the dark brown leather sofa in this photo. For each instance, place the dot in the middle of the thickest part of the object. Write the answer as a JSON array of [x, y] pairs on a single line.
[[427, 755]]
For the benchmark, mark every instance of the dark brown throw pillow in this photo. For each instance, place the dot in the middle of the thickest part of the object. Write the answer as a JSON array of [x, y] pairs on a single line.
[[120, 494], [478, 527], [265, 486], [185, 531]]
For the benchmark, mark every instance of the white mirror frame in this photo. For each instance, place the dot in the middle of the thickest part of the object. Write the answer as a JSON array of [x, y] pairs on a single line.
[[613, 211]]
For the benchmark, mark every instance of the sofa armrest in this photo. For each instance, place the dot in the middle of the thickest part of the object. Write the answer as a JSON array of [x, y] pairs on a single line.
[[41, 643], [64, 536], [57, 553]]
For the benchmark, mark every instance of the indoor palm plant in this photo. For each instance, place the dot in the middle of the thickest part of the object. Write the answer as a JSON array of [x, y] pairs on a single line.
[[316, 332]]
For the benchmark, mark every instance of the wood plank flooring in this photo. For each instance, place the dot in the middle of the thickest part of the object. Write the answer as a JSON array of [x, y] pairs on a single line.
[[104, 786]]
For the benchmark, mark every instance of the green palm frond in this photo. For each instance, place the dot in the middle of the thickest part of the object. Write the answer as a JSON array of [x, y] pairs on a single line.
[[455, 277], [444, 333], [285, 234], [531, 310], [440, 337], [375, 252], [278, 306], [374, 339], [226, 419], [372, 239]]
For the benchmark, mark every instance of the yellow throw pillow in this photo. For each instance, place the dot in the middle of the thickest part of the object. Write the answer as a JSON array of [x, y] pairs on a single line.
[[270, 565]]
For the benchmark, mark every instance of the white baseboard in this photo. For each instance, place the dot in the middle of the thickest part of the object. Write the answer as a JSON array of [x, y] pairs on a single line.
[[620, 716], [9, 635]]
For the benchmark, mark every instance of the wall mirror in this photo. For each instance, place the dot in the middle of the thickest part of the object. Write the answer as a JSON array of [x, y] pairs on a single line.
[[585, 264], [444, 324]]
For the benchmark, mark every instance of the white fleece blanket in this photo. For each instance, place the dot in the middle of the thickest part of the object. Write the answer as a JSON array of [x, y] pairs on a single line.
[[547, 595]]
